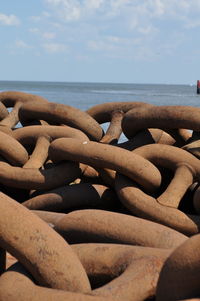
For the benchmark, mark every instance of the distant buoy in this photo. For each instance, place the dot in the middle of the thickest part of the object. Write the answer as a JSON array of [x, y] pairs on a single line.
[[198, 87]]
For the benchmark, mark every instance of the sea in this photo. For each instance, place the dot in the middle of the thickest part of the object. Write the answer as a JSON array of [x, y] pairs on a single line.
[[85, 95]]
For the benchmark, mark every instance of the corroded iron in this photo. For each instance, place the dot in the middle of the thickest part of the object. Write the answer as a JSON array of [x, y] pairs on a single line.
[[146, 206], [62, 114], [29, 134], [114, 130], [17, 284], [122, 272], [179, 277], [101, 155], [40, 248], [12, 150], [40, 153], [72, 196], [33, 178], [128, 212], [171, 117], [103, 226], [103, 112]]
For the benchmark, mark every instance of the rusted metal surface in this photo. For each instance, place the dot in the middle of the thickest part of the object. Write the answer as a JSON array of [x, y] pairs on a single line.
[[85, 217]]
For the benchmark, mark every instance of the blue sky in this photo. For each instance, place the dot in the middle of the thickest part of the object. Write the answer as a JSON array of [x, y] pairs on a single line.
[[133, 41]]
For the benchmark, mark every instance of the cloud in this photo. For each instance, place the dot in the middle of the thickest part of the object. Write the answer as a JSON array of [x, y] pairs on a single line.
[[37, 19], [93, 4], [192, 24], [9, 20], [19, 47], [45, 35], [149, 10], [54, 47], [134, 29], [121, 48], [148, 29], [108, 43], [69, 10], [21, 44], [75, 10], [48, 35], [34, 30]]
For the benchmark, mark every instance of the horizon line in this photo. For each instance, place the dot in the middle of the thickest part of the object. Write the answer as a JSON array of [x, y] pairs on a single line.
[[99, 82]]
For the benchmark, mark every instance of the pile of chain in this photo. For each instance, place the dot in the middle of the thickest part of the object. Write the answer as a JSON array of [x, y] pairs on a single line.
[[85, 217]]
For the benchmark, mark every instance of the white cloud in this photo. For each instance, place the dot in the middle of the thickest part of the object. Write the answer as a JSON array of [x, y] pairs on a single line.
[[45, 35], [22, 44], [108, 43], [148, 10], [35, 18], [54, 2], [192, 24], [83, 58], [69, 10], [148, 29], [135, 29], [54, 47], [48, 35], [96, 45], [34, 30], [19, 47], [44, 15], [9, 20]]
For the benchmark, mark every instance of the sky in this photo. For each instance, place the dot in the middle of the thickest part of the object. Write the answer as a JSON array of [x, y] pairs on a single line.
[[119, 41]]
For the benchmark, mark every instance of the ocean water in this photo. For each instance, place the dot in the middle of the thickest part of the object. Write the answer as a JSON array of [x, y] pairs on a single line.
[[86, 95]]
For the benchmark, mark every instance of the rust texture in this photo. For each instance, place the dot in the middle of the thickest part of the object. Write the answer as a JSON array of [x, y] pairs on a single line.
[[86, 217]]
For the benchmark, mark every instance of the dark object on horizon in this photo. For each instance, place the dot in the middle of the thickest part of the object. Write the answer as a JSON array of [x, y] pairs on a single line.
[[198, 87]]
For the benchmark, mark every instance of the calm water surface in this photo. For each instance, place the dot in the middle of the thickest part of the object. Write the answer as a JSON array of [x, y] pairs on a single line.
[[85, 95]]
